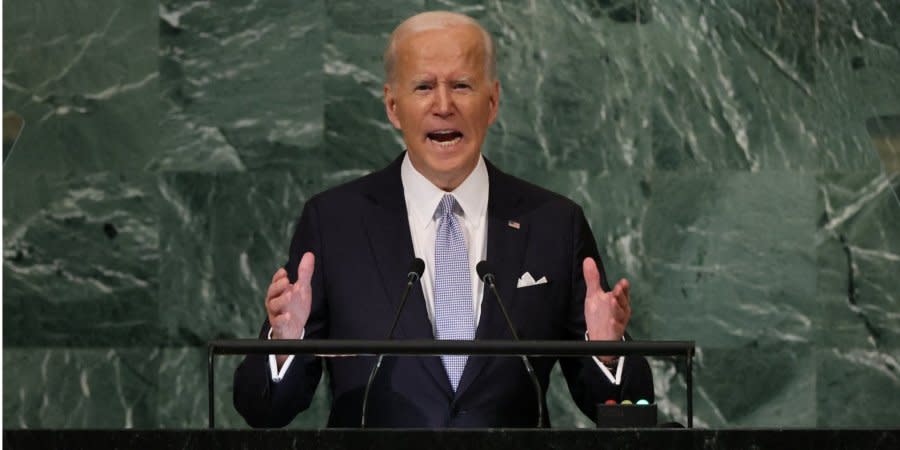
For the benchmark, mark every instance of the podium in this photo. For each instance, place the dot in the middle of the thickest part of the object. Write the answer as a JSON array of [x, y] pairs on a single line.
[[497, 439], [348, 347]]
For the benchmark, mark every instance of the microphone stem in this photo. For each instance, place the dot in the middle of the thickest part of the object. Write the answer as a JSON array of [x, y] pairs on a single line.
[[489, 278], [409, 284], [368, 387]]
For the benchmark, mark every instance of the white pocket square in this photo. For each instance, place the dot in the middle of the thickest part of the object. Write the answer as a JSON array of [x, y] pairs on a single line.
[[527, 280]]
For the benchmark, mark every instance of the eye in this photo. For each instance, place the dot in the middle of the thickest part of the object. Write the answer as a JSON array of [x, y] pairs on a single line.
[[462, 86], [422, 87]]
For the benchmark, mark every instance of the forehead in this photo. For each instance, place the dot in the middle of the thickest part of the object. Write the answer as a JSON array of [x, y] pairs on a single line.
[[454, 48]]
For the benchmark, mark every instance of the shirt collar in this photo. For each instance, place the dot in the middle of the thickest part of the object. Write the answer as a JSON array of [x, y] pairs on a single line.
[[423, 197]]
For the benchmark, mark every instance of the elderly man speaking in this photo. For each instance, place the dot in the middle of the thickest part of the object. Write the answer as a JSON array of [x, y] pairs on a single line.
[[443, 202]]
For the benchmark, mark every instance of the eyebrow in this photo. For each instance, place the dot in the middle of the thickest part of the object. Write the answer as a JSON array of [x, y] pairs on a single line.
[[430, 79]]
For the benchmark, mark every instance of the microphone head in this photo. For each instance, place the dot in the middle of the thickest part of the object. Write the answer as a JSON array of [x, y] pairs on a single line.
[[483, 269], [416, 268]]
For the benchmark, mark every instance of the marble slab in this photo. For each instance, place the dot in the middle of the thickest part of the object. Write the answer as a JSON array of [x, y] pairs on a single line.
[[86, 90], [857, 386], [858, 258], [84, 269], [241, 85], [731, 257], [110, 388]]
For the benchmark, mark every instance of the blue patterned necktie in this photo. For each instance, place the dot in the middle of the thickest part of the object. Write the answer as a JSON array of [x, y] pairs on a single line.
[[453, 310]]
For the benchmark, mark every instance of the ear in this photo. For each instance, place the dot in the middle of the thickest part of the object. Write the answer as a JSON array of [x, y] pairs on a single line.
[[390, 106], [494, 100]]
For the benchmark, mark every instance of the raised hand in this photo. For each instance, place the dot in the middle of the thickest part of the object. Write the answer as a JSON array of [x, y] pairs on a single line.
[[605, 313], [288, 305]]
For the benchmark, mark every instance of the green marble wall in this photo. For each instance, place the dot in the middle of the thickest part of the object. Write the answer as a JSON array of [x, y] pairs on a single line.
[[719, 148]]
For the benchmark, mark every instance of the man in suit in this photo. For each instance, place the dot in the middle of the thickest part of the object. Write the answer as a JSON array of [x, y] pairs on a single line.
[[443, 202]]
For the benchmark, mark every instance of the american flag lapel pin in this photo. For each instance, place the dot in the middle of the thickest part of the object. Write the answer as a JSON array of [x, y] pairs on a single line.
[[513, 224]]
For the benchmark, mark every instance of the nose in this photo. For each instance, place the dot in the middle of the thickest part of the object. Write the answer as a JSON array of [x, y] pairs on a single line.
[[443, 101]]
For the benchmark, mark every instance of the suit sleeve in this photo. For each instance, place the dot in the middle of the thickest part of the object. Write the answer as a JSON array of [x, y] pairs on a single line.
[[261, 401], [586, 381]]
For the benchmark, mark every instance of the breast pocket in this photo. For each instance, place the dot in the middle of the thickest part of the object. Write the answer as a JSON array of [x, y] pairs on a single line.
[[536, 311]]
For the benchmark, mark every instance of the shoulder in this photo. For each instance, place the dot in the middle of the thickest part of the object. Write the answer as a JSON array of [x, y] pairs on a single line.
[[529, 197], [347, 191], [369, 188]]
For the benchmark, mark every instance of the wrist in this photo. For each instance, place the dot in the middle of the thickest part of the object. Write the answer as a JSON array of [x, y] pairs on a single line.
[[610, 361]]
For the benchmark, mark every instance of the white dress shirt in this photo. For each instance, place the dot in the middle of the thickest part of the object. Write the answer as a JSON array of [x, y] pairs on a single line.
[[422, 198]]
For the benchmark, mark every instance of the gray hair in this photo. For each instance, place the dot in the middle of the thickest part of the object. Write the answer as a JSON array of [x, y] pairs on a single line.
[[432, 20]]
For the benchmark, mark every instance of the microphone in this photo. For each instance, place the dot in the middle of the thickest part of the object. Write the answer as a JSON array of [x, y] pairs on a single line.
[[487, 276], [416, 268]]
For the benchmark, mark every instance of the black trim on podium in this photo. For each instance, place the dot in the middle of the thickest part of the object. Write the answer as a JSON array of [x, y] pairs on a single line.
[[420, 347], [485, 439]]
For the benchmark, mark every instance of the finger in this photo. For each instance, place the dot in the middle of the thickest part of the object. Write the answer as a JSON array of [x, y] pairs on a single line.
[[620, 314], [275, 305], [305, 269], [620, 293], [620, 311], [280, 304], [591, 276], [280, 273], [277, 287]]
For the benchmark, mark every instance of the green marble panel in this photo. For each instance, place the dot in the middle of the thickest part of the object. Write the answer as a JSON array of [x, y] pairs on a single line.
[[858, 260], [86, 89], [760, 85], [763, 384], [79, 224], [358, 134], [858, 387], [241, 85], [183, 393], [80, 388], [726, 96], [730, 257], [552, 58], [222, 238], [83, 270], [766, 383]]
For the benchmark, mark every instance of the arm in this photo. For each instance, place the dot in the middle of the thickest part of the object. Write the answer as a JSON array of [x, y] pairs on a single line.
[[294, 303], [587, 382]]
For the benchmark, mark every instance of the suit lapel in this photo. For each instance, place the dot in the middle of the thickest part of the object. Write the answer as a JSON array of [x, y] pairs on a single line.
[[390, 242], [505, 252]]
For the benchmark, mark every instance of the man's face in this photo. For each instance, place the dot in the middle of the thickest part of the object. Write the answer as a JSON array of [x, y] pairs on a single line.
[[442, 101]]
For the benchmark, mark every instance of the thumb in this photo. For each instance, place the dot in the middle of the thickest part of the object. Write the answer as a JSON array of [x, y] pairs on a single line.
[[305, 269], [591, 276]]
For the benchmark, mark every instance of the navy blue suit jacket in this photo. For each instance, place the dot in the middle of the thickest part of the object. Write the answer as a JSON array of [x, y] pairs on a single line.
[[360, 235]]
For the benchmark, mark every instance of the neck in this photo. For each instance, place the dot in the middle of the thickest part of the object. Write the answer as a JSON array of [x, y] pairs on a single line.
[[447, 182]]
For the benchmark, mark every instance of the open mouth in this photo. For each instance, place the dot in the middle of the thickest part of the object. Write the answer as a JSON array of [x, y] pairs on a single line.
[[445, 138]]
